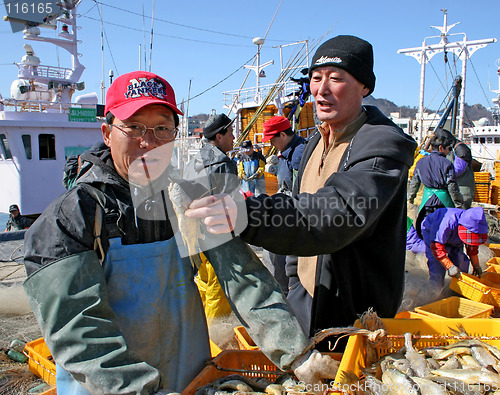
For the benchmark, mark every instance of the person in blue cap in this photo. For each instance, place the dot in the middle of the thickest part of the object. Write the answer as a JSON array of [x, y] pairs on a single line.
[[445, 232]]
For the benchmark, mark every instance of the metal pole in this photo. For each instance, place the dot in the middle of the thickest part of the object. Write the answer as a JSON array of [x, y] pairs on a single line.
[[462, 97], [423, 61], [151, 41], [103, 86]]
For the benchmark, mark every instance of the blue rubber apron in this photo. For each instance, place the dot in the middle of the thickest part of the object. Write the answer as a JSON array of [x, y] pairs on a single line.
[[159, 310]]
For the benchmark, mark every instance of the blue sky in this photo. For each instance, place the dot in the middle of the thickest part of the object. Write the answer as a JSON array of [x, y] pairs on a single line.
[[205, 41]]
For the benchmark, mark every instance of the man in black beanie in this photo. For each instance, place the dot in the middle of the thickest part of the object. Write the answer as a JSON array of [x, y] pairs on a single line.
[[346, 219]]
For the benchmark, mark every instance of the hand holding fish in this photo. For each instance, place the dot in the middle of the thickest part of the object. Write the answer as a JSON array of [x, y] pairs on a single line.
[[217, 212]]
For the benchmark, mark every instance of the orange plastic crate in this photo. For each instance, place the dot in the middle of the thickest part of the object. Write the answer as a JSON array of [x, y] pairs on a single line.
[[245, 342], [247, 363], [40, 361], [52, 391], [456, 307], [354, 359]]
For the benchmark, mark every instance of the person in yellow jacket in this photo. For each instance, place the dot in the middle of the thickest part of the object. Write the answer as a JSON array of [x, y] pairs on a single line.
[[251, 169]]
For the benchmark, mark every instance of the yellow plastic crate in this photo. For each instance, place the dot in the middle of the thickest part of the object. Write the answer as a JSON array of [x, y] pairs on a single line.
[[214, 349], [52, 391], [472, 288], [244, 340], [40, 361], [493, 261], [485, 289], [495, 248], [354, 359], [493, 269], [492, 280], [409, 314], [455, 307]]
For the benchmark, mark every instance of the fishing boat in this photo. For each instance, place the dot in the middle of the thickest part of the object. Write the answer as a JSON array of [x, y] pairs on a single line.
[[41, 124], [287, 96]]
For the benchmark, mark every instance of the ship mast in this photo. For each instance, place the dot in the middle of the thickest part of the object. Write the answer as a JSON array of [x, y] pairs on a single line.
[[462, 49], [496, 101]]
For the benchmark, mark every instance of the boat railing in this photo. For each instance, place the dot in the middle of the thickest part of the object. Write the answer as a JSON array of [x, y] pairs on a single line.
[[241, 97], [41, 106], [42, 71]]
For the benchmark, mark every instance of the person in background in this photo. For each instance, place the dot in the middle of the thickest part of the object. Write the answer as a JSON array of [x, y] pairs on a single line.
[[346, 218], [278, 131], [461, 157], [438, 176], [251, 168], [219, 174], [16, 220], [445, 231]]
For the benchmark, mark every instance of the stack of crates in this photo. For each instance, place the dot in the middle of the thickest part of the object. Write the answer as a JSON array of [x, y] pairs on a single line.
[[495, 191], [482, 191]]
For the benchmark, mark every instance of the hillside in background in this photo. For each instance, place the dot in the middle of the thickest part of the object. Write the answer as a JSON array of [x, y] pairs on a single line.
[[472, 113]]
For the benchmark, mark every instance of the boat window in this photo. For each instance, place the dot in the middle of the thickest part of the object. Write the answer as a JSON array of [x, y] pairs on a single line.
[[482, 140], [47, 146], [497, 140], [27, 145], [4, 144], [489, 140], [476, 140]]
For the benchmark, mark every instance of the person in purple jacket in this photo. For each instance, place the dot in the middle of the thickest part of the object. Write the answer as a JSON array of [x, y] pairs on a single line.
[[445, 232]]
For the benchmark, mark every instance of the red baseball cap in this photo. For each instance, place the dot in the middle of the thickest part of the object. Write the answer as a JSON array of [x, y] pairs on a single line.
[[132, 91], [275, 125]]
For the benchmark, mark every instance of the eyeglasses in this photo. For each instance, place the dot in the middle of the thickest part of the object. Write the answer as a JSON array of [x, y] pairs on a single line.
[[136, 130]]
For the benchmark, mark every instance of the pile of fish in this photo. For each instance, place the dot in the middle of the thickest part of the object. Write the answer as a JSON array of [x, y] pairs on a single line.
[[236, 385], [466, 367]]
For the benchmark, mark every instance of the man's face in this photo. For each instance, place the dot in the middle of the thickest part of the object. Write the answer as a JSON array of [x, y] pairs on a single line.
[[338, 96], [132, 157], [14, 213], [225, 141], [280, 141]]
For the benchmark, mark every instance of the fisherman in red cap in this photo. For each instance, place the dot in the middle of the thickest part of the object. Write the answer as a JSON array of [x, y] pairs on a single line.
[[106, 281], [278, 131]]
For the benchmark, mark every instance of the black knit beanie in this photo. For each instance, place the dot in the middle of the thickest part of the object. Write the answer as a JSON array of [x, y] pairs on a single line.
[[350, 53]]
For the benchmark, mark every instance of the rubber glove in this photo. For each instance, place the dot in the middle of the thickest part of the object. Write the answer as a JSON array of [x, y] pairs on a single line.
[[312, 367], [454, 271]]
